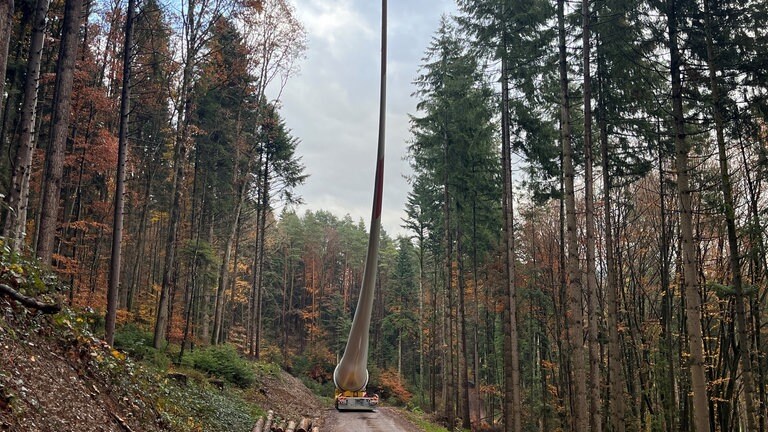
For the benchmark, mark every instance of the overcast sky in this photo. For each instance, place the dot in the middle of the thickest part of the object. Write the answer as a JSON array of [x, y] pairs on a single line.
[[332, 106]]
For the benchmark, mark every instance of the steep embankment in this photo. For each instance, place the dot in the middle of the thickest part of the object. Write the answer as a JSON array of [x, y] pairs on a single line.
[[56, 376]]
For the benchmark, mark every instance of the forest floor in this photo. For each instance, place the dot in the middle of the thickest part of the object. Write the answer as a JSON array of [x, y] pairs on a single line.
[[57, 376]]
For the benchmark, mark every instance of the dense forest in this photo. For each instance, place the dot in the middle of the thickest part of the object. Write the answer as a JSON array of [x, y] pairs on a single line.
[[586, 225]]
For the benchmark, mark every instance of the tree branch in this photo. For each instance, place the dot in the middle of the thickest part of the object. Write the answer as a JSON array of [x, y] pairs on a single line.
[[30, 302]]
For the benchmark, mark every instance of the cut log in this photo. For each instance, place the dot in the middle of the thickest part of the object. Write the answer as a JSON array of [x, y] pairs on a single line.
[[268, 423], [280, 427], [291, 426], [305, 425], [315, 429], [259, 425]]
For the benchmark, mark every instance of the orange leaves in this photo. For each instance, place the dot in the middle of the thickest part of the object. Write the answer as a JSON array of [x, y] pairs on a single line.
[[490, 390], [86, 225], [242, 291], [392, 387], [65, 265], [124, 317], [548, 365]]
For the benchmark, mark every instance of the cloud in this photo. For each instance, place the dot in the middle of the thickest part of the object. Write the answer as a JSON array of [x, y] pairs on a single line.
[[332, 106], [334, 24]]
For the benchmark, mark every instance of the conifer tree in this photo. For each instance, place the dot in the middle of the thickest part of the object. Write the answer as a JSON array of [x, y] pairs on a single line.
[[453, 146]]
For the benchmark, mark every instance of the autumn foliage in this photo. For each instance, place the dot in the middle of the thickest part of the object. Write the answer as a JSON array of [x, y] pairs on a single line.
[[391, 387]]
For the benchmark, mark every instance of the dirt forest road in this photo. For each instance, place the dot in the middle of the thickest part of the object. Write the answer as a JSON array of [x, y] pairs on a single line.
[[384, 419]]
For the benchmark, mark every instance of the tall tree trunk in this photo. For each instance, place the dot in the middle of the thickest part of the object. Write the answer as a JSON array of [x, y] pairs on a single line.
[[179, 154], [6, 27], [140, 246], [669, 395], [195, 27], [616, 408], [17, 200], [122, 150], [447, 332], [228, 322], [283, 334], [448, 387], [759, 267], [224, 269], [512, 404], [561, 324], [475, 391], [693, 307], [54, 159], [258, 267], [193, 290], [575, 312], [420, 236], [595, 405], [434, 331], [463, 373], [742, 346], [14, 80]]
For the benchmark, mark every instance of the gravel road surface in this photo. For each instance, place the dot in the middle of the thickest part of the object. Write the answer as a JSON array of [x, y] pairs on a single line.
[[384, 419]]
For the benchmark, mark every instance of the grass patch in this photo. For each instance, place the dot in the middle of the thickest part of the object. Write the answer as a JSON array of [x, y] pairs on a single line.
[[422, 422]]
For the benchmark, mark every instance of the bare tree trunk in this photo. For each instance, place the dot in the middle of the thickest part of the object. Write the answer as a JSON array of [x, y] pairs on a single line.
[[463, 373], [670, 399], [693, 307], [421, 317], [14, 80], [6, 26], [759, 266], [561, 323], [595, 405], [575, 312], [224, 269], [122, 150], [616, 407], [54, 159], [742, 348], [258, 267], [435, 332], [449, 382], [17, 201], [228, 322], [208, 297], [140, 246], [512, 404], [161, 323]]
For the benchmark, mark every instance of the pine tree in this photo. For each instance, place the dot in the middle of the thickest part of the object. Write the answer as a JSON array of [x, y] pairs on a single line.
[[453, 146]]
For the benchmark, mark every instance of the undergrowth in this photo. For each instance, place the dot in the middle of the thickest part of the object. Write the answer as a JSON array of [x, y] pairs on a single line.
[[192, 406], [423, 423], [222, 361]]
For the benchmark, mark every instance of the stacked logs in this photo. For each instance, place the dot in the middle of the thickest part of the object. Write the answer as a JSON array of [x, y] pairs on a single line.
[[273, 424]]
